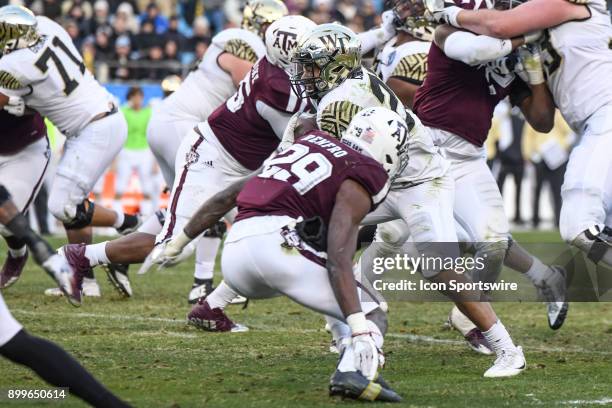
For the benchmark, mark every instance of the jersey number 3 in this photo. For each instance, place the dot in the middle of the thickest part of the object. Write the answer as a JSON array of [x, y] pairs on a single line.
[[309, 168], [70, 84]]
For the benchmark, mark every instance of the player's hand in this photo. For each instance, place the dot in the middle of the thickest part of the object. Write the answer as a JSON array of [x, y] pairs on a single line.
[[389, 24], [289, 133], [443, 12], [171, 251], [15, 106], [532, 64], [366, 355]]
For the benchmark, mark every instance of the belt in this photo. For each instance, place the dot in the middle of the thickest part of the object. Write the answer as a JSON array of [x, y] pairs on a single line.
[[112, 111]]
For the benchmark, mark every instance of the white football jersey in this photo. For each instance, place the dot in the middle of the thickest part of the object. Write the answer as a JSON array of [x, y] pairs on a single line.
[[407, 61], [208, 86], [52, 79], [578, 64], [338, 107]]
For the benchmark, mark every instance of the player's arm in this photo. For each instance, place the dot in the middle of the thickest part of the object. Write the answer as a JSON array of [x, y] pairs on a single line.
[[528, 17], [473, 49], [377, 37], [404, 90], [352, 204], [236, 67]]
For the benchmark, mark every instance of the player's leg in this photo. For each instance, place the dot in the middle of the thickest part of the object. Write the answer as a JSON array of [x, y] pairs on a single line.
[[22, 175], [50, 362], [584, 191]]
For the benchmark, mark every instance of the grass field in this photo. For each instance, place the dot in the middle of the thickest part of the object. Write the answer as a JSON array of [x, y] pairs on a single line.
[[142, 349]]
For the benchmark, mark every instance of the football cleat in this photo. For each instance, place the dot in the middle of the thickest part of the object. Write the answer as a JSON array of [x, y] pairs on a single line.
[[352, 384], [11, 270], [510, 363], [130, 224], [90, 289], [118, 277], [553, 291], [199, 290], [472, 334], [213, 320], [75, 256], [147, 265], [61, 272], [239, 300]]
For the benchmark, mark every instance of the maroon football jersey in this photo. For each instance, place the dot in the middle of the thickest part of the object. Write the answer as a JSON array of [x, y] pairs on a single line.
[[460, 98], [19, 132], [303, 180], [241, 130]]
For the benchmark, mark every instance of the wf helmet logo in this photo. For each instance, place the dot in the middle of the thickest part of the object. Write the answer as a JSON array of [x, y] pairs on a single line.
[[333, 40]]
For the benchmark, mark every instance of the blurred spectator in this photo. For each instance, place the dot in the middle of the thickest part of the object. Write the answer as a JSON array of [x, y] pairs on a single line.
[[120, 28], [171, 55], [201, 32], [200, 50], [146, 38], [136, 156], [122, 68], [103, 45], [173, 34], [321, 12], [75, 33], [125, 13], [160, 23], [153, 67], [101, 17], [297, 7], [549, 154], [76, 13], [115, 5]]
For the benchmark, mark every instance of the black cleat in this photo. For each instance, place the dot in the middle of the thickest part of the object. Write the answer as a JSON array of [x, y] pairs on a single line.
[[354, 385], [118, 277], [199, 290], [130, 224]]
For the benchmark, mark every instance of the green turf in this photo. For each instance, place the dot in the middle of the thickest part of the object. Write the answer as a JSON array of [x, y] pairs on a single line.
[[142, 349]]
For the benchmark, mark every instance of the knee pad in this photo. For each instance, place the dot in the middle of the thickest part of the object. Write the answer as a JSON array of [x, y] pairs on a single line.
[[83, 216], [4, 195], [492, 255], [394, 233]]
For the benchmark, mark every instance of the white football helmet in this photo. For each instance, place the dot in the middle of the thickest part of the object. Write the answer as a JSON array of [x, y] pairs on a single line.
[[18, 28], [282, 37], [381, 134]]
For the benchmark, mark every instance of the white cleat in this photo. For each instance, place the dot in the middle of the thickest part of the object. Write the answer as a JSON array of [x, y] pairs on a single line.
[[60, 270], [147, 265], [472, 335], [238, 300], [553, 291], [508, 364], [90, 289]]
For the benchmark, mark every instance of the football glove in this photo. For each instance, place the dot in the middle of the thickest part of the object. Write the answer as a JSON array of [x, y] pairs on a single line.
[[15, 106], [443, 12], [388, 24], [172, 251], [366, 355], [532, 64]]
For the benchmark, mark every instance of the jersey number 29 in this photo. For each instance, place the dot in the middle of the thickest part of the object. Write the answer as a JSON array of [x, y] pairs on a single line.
[[309, 168], [70, 84]]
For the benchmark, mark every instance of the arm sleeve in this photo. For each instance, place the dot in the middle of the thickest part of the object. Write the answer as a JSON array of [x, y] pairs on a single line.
[[473, 49], [276, 118], [412, 68]]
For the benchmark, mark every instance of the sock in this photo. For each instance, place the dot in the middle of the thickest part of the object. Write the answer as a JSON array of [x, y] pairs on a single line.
[[17, 253], [120, 218], [340, 331], [221, 296], [153, 224], [205, 254], [498, 338], [96, 253], [58, 368], [538, 272]]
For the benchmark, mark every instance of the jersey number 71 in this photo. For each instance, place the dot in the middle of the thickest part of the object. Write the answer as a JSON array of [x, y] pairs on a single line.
[[70, 84]]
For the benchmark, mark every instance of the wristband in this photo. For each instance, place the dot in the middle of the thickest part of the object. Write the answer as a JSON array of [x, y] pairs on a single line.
[[358, 323], [181, 240]]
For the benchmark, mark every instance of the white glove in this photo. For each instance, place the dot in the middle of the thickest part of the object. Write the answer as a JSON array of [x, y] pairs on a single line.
[[532, 64], [16, 106], [444, 12], [388, 24], [366, 355], [171, 251]]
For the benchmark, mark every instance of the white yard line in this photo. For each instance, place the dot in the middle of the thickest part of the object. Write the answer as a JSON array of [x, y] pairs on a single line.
[[413, 338], [603, 401]]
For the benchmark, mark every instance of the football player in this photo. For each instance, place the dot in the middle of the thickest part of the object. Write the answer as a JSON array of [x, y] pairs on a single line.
[[24, 157], [576, 56], [42, 68], [230, 56], [42, 356], [232, 143], [328, 70], [309, 200]]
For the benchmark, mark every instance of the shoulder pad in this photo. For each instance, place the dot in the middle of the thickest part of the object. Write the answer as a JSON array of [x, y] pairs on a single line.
[[335, 117], [412, 68], [8, 81]]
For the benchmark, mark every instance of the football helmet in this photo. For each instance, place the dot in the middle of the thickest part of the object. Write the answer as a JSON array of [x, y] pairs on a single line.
[[410, 17], [18, 28], [323, 59], [381, 134], [282, 37], [259, 14]]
